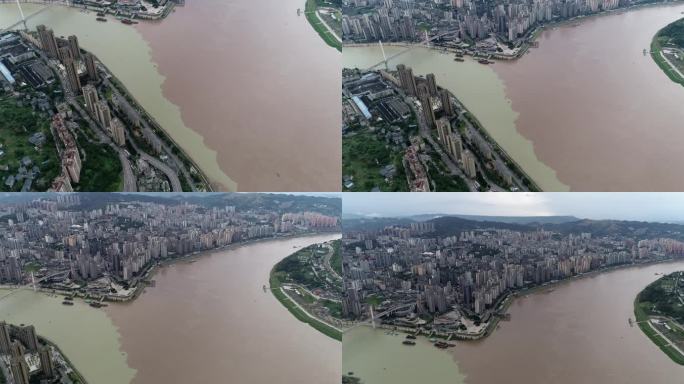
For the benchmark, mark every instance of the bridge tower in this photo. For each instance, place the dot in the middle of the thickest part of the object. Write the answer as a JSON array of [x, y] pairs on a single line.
[[372, 316], [23, 18], [427, 39], [384, 57], [33, 281]]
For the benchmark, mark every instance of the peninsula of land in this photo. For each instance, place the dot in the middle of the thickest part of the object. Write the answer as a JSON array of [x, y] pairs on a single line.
[[659, 311], [667, 50], [309, 284]]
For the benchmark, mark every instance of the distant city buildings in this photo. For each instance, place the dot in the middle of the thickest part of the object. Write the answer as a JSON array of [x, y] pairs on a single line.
[[495, 27], [131, 9], [449, 276], [106, 251]]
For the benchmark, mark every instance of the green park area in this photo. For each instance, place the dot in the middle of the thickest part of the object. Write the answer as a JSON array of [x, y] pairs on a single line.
[[296, 271], [667, 49], [19, 158], [442, 179], [101, 170], [364, 156], [659, 313], [310, 10]]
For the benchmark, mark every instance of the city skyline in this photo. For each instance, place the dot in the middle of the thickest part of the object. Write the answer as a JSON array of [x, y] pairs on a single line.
[[86, 254], [416, 284]]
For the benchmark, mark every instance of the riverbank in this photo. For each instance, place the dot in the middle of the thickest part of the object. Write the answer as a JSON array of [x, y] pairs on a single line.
[[506, 301], [168, 8], [153, 268], [217, 319], [176, 149], [510, 163], [376, 356], [534, 34], [531, 38], [229, 126], [311, 13], [643, 320], [550, 286], [78, 377], [182, 171], [86, 336], [141, 71], [588, 321], [276, 287], [659, 56], [477, 87]]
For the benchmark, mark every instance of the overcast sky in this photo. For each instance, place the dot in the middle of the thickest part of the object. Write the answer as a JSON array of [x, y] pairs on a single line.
[[621, 206]]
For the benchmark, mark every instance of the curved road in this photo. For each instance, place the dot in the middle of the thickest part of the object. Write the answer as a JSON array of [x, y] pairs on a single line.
[[173, 177], [170, 173], [326, 263], [129, 178], [130, 182]]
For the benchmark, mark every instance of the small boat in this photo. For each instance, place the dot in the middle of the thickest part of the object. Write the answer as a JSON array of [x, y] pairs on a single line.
[[442, 345], [67, 302], [484, 61], [126, 21], [100, 14], [459, 59], [411, 337], [408, 342], [95, 305], [299, 11], [102, 19]]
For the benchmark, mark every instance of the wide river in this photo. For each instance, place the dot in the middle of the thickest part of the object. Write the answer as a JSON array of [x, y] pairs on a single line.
[[574, 332], [239, 84], [207, 321], [587, 110]]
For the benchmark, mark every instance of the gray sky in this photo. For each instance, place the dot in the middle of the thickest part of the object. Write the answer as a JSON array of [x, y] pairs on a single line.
[[621, 206]]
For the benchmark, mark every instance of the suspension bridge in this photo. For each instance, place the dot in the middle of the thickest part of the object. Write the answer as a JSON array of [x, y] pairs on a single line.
[[25, 18], [424, 43], [33, 283], [375, 317]]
